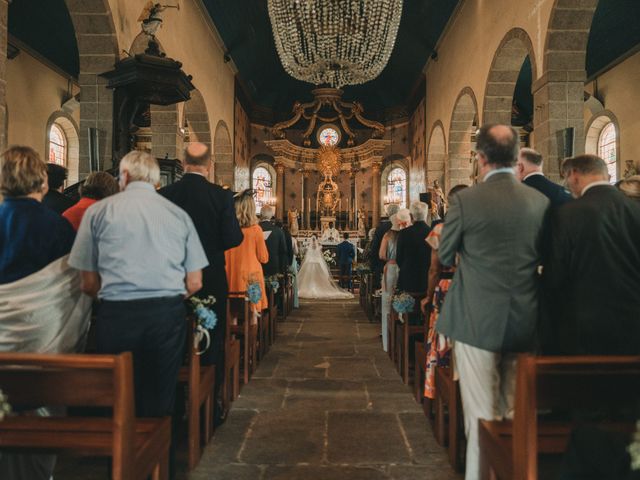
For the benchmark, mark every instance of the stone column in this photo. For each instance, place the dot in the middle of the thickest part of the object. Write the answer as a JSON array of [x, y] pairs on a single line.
[[559, 105], [375, 197], [306, 218], [4, 14], [280, 191]]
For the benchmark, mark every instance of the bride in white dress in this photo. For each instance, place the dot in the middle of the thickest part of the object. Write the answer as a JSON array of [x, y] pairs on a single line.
[[314, 277]]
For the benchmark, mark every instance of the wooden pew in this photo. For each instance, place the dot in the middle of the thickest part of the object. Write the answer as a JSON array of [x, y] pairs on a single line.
[[231, 387], [242, 330], [448, 417], [509, 450], [403, 334], [138, 447], [200, 382]]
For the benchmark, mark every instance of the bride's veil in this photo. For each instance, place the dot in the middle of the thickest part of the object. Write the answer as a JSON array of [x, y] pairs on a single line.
[[314, 278], [314, 255]]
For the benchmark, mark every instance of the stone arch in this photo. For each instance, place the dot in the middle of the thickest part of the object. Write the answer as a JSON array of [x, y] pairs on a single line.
[[464, 123], [436, 155], [196, 119], [503, 75], [559, 92], [70, 129], [593, 130], [98, 50], [223, 155]]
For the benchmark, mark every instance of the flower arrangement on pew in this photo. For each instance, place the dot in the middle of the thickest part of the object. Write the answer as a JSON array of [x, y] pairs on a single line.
[[5, 407], [403, 302], [274, 282], [363, 269], [254, 292], [634, 449], [329, 257], [206, 320]]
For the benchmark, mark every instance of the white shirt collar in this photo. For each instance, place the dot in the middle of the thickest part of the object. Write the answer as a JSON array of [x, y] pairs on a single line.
[[491, 173], [594, 184], [531, 175]]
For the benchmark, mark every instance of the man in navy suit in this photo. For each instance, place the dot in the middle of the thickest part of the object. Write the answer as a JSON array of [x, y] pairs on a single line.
[[529, 172], [345, 253]]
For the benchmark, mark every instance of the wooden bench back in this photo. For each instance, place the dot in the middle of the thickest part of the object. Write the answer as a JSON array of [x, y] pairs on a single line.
[[35, 380], [551, 382]]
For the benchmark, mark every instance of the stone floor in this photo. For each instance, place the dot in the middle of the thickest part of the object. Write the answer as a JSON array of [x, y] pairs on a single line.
[[325, 403]]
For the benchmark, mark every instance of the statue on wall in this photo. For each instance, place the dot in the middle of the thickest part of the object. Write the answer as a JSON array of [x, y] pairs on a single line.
[[293, 216], [629, 169], [362, 223], [438, 201]]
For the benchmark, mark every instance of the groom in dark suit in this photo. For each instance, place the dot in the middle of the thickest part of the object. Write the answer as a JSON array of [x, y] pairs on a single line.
[[529, 171], [345, 252], [213, 214]]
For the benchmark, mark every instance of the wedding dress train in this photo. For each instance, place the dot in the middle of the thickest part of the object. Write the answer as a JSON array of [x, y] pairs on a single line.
[[314, 277]]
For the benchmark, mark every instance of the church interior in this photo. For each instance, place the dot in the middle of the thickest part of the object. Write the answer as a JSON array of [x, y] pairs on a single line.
[[330, 138]]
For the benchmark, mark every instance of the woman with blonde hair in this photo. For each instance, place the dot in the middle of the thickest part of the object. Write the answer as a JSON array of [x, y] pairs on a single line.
[[244, 262]]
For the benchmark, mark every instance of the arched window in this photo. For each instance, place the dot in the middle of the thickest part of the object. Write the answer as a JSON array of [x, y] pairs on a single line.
[[397, 187], [607, 149], [262, 184], [57, 145]]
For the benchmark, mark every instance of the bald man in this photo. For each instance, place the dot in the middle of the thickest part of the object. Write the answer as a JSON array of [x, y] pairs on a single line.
[[213, 214], [491, 308]]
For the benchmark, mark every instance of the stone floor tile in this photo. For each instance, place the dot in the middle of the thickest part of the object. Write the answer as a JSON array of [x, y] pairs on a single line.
[[365, 437], [324, 473]]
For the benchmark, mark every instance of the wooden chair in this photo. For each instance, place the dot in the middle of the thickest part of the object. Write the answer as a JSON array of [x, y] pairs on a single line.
[[200, 382], [510, 450], [391, 334], [448, 424], [138, 447], [242, 329], [273, 313], [419, 372], [231, 387]]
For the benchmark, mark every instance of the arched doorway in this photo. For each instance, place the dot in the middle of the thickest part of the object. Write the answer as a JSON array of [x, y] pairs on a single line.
[[508, 98], [223, 155], [464, 123], [436, 155]]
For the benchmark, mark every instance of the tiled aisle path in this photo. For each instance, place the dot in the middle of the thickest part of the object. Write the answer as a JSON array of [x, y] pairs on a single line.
[[326, 403]]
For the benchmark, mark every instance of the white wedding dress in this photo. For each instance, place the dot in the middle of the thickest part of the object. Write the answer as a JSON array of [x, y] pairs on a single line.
[[314, 277]]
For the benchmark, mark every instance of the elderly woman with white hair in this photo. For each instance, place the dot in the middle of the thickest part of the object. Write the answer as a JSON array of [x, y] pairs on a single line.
[[387, 253], [414, 254]]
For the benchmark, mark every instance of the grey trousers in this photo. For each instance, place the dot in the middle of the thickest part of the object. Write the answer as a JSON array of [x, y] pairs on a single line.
[[487, 387]]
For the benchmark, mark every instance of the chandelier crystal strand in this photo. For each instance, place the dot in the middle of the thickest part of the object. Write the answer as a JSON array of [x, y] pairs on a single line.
[[335, 42]]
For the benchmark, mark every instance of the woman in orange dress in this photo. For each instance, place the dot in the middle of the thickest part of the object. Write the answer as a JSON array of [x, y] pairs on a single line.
[[244, 262]]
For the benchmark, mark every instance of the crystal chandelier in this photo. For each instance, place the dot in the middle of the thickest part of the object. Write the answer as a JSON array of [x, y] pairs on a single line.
[[335, 42]]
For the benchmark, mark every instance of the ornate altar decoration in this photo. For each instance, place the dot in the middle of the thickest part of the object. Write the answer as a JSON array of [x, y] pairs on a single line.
[[329, 100], [335, 43]]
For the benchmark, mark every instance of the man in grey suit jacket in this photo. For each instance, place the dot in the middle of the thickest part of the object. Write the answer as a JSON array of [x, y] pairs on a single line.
[[490, 311]]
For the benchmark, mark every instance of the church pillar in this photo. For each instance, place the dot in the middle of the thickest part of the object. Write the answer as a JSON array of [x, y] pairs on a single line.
[[306, 214], [375, 197], [558, 118], [4, 12], [280, 191]]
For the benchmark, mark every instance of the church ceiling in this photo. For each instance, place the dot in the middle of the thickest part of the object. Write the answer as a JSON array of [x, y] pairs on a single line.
[[246, 32]]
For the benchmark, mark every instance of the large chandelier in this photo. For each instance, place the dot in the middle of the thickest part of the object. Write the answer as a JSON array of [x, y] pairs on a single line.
[[335, 42]]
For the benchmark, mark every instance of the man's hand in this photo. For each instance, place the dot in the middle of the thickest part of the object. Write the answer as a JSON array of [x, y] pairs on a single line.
[[425, 305], [90, 283], [193, 282]]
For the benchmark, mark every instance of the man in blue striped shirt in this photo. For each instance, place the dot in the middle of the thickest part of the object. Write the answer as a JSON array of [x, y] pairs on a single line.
[[141, 256]]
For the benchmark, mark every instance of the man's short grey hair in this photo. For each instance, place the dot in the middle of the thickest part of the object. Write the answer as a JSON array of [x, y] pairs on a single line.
[[267, 212], [419, 211], [586, 165], [392, 209], [532, 156], [142, 167]]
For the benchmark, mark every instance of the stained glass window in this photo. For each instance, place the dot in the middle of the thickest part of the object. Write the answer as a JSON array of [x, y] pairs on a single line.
[[262, 186], [607, 150], [397, 187], [329, 137], [57, 145]]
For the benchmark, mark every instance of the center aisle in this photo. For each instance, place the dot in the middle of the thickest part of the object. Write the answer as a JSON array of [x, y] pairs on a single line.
[[326, 403]]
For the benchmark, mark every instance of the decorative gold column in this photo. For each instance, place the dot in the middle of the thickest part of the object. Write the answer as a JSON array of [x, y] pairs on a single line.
[[280, 191], [375, 197], [306, 217]]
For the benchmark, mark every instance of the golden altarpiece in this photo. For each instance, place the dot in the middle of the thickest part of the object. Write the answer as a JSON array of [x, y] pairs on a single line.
[[331, 119]]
